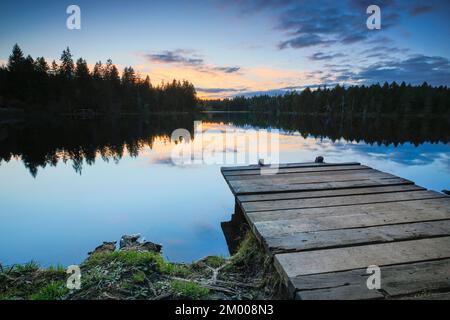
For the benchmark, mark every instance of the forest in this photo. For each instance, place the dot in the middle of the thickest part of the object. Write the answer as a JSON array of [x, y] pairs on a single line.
[[355, 100], [35, 86]]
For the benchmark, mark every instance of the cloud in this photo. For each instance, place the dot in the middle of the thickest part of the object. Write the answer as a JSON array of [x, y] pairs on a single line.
[[187, 58], [303, 41], [219, 90], [332, 22], [228, 69], [416, 69], [323, 56], [420, 10], [309, 24], [177, 56]]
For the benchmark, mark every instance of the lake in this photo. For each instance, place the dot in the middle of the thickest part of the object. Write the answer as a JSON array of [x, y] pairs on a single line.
[[66, 185]]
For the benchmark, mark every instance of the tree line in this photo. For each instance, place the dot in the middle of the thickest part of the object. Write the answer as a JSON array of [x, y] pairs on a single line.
[[39, 143], [68, 86], [364, 100]]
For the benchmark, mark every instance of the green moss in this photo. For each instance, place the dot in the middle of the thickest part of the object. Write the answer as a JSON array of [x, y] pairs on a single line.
[[188, 290], [138, 277], [129, 257], [174, 269], [139, 258], [55, 290]]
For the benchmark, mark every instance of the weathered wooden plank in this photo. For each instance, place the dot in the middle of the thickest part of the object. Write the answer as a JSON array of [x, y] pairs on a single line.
[[398, 280], [348, 258], [280, 239], [310, 177], [310, 223], [339, 201], [289, 165], [348, 292], [249, 174], [328, 185], [428, 296], [377, 213], [328, 193]]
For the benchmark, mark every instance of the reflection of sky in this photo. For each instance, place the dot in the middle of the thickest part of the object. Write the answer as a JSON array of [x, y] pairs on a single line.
[[60, 215]]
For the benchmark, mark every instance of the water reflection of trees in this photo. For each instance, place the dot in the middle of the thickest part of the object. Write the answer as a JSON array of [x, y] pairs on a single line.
[[43, 143], [371, 130]]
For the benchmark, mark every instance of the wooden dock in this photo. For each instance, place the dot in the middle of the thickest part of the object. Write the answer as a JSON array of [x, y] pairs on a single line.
[[325, 224]]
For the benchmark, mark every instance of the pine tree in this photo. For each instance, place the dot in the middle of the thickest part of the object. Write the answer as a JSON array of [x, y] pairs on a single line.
[[16, 60], [67, 66], [82, 70]]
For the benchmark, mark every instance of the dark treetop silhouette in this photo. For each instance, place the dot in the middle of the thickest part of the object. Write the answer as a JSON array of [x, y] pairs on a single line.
[[33, 85], [365, 100]]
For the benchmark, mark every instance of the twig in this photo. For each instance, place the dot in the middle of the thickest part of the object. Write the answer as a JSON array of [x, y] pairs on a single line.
[[162, 296]]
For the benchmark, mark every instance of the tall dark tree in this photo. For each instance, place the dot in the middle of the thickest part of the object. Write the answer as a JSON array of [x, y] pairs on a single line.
[[67, 66], [16, 60]]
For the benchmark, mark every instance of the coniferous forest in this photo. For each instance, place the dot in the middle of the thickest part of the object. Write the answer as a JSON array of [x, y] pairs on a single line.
[[68, 86], [398, 99]]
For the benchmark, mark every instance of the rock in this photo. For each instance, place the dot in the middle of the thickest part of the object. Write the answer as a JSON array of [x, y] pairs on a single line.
[[150, 246], [104, 247], [319, 159], [131, 242], [447, 192]]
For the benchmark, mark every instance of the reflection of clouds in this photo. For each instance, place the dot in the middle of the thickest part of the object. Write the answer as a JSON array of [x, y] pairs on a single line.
[[407, 154], [293, 147], [204, 228]]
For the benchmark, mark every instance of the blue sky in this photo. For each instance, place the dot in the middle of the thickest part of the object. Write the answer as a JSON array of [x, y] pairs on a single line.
[[243, 46]]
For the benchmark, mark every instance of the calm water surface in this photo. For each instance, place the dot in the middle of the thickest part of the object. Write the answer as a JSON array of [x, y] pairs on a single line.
[[66, 187]]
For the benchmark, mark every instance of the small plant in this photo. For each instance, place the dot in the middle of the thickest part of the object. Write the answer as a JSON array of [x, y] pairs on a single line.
[[55, 290], [57, 268], [188, 290], [215, 261], [27, 267], [138, 277]]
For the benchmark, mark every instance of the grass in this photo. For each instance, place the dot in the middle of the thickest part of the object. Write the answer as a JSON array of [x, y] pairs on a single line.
[[27, 267], [188, 290], [57, 268], [249, 252], [55, 290]]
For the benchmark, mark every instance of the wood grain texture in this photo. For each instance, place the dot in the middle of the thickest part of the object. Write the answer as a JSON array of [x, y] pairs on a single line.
[[279, 242], [324, 224], [348, 258], [339, 200], [407, 281], [328, 193]]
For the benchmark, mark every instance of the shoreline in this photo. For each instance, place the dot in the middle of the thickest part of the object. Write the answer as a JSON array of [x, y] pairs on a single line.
[[138, 271]]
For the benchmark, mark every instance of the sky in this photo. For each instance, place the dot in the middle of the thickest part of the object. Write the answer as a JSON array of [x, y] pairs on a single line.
[[242, 47]]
